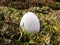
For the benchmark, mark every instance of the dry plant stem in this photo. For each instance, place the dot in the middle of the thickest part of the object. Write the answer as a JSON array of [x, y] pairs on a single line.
[[12, 36], [20, 32], [20, 36]]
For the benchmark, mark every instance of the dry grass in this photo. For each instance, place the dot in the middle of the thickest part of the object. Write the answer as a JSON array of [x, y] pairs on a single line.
[[10, 33]]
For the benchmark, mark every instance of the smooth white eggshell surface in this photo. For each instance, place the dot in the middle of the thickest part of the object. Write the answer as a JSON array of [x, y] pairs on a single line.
[[30, 22]]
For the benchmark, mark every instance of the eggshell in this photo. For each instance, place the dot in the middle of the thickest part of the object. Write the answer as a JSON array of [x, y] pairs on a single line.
[[30, 22]]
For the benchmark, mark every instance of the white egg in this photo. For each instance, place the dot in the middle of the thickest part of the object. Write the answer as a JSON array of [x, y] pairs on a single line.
[[30, 22]]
